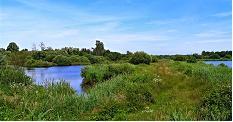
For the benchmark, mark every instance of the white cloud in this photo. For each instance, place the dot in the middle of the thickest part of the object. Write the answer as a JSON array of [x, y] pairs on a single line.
[[223, 14]]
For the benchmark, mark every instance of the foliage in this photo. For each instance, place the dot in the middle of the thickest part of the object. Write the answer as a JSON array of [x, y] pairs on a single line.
[[216, 101], [62, 60], [179, 58], [2, 59], [39, 55], [192, 60], [13, 47], [9, 75], [217, 104], [99, 49], [140, 57], [78, 60], [99, 73]]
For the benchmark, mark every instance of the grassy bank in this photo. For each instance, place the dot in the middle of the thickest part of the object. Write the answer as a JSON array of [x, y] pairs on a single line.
[[166, 90]]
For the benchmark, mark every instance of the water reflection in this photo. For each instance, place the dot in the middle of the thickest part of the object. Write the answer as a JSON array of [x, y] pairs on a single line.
[[71, 74]]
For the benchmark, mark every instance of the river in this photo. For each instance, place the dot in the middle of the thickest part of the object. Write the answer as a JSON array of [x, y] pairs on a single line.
[[71, 74]]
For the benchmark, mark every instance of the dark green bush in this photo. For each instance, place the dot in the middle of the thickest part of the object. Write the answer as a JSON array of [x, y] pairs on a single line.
[[62, 60], [99, 73], [217, 104], [10, 75], [39, 55], [179, 58], [140, 58], [2, 59], [78, 60], [192, 60]]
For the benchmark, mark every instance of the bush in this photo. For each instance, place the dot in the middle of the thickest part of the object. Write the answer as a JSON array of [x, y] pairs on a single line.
[[2, 60], [99, 73], [96, 59], [192, 60], [140, 57], [154, 59], [217, 104], [79, 60], [39, 55], [62, 60], [179, 58], [10, 75]]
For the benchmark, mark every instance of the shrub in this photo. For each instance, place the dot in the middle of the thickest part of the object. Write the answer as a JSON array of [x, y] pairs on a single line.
[[217, 104], [38, 55], [99, 73], [192, 60], [140, 57], [2, 59], [78, 60], [96, 59], [10, 75], [62, 60], [179, 58], [154, 59]]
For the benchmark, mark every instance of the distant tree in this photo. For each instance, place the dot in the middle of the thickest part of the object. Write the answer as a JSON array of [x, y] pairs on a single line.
[[129, 53], [49, 49], [34, 47], [114, 56], [38, 55], [227, 56], [13, 47], [192, 59], [180, 58], [140, 57], [214, 56], [99, 49], [24, 50], [42, 46], [62, 60]]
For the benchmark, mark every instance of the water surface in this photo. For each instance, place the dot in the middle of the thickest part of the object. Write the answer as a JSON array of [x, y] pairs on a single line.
[[215, 63], [71, 74]]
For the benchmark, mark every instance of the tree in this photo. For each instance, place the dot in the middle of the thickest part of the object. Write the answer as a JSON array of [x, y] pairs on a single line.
[[38, 55], [34, 47], [12, 47], [62, 60], [140, 57], [42, 46], [180, 58], [99, 49], [214, 56], [192, 59]]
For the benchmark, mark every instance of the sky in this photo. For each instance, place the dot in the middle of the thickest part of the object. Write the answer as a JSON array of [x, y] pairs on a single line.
[[153, 26]]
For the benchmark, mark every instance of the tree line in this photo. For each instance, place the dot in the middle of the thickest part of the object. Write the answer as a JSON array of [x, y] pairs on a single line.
[[47, 56]]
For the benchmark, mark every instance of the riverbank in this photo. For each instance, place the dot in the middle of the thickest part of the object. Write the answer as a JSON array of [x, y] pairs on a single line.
[[166, 90]]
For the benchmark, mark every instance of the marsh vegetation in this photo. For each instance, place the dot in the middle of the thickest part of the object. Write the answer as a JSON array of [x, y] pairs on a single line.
[[117, 87]]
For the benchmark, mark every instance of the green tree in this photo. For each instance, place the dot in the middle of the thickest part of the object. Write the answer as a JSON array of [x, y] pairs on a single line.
[[13, 47], [99, 49], [140, 57], [214, 56], [62, 60]]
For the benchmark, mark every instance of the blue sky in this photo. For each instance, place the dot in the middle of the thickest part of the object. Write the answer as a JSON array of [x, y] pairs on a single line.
[[154, 26]]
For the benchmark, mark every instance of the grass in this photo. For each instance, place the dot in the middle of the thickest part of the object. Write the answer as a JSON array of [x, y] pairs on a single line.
[[165, 90]]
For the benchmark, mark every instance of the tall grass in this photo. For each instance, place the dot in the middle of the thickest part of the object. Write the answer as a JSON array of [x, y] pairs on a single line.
[[217, 98], [161, 91], [101, 72], [110, 100]]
